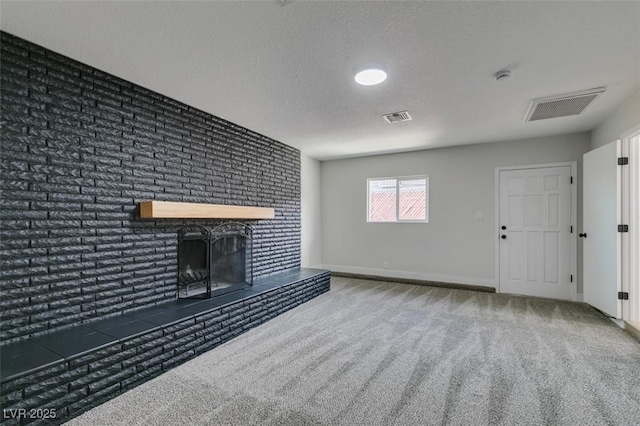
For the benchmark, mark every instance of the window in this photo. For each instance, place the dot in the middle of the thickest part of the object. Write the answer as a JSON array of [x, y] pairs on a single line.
[[401, 199]]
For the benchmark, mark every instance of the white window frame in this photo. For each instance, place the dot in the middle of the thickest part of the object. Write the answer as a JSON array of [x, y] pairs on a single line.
[[398, 179]]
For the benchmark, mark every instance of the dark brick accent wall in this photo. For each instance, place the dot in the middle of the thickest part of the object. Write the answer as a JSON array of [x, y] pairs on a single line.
[[76, 385], [80, 149]]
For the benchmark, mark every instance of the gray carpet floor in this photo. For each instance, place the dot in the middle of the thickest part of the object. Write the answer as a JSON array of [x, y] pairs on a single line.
[[375, 353]]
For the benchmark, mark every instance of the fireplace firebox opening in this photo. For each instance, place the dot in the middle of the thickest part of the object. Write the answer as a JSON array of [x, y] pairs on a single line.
[[213, 262]]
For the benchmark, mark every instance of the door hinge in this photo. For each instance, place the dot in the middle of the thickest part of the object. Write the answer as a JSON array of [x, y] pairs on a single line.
[[571, 278], [623, 161], [571, 179], [623, 295], [572, 229], [623, 228]]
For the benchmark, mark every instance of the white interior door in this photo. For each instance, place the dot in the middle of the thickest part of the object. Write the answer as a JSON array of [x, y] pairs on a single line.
[[535, 231], [601, 206]]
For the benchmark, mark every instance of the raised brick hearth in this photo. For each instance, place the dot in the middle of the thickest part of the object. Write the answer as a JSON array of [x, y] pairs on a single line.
[[71, 371]]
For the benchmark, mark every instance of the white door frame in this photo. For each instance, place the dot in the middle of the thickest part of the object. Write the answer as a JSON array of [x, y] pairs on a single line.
[[574, 218], [630, 215]]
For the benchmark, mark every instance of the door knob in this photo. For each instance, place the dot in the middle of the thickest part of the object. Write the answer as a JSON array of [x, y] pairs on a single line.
[[584, 235], [503, 227], [504, 237]]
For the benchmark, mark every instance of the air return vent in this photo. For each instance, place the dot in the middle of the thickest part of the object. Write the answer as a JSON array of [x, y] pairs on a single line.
[[562, 106], [396, 117]]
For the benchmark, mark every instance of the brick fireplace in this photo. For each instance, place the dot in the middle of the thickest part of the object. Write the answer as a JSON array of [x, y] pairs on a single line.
[[81, 149], [89, 297]]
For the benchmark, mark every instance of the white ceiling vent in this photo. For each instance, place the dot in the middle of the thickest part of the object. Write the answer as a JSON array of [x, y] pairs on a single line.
[[562, 106], [397, 117]]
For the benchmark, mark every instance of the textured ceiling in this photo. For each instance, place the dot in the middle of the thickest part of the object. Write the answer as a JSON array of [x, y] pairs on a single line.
[[287, 71]]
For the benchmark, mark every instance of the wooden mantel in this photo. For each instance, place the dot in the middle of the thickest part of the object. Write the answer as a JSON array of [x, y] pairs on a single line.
[[173, 210]]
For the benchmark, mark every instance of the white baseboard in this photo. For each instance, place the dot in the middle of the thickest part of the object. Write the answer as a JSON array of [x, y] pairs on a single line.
[[411, 275], [579, 297], [313, 266], [618, 322]]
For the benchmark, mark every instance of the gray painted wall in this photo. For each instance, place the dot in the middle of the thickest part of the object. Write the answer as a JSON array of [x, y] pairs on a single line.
[[311, 220], [454, 246], [622, 120]]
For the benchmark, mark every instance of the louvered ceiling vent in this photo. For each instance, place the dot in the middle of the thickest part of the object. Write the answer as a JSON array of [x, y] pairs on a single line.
[[397, 117], [562, 106]]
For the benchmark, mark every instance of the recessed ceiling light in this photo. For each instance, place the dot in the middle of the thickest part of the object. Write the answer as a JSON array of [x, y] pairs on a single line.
[[371, 76]]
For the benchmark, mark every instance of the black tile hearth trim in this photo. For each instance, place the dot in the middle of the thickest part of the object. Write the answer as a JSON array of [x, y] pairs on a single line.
[[415, 282], [78, 380]]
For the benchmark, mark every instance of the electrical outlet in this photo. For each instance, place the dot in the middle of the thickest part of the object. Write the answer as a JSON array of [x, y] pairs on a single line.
[[385, 264], [479, 214]]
